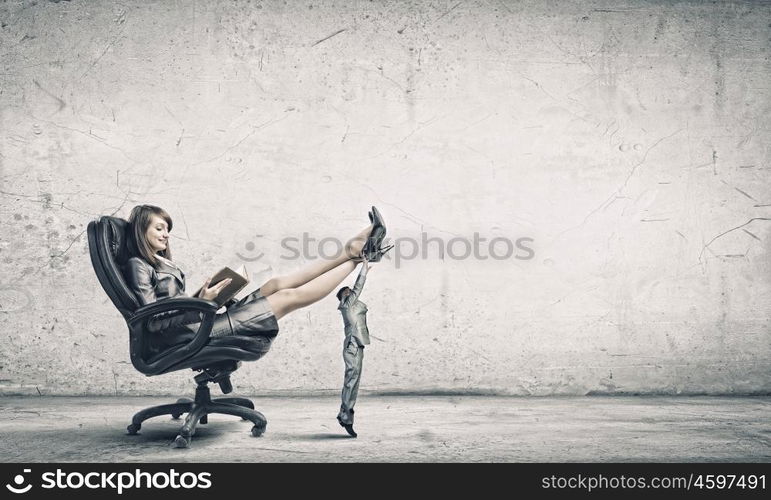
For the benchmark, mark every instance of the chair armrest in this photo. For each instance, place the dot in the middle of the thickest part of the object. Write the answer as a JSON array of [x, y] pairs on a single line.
[[174, 303], [165, 363]]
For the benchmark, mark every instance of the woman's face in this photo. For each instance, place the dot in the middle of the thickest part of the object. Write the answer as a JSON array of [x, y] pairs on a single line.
[[157, 234]]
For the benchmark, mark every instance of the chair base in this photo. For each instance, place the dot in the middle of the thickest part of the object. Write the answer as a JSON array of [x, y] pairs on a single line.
[[197, 412]]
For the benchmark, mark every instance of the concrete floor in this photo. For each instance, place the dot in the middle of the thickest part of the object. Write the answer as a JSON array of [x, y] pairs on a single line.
[[401, 429]]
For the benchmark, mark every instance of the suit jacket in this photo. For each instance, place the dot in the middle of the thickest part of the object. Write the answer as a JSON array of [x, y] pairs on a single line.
[[354, 311], [150, 284]]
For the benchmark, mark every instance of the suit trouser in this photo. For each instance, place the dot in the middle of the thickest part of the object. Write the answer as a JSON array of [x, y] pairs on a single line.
[[353, 354]]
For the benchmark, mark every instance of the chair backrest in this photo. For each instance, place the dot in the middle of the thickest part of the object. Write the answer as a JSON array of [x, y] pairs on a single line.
[[108, 247]]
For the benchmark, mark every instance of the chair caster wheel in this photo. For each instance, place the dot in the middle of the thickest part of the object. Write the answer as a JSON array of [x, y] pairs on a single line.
[[181, 442], [258, 431], [133, 429], [175, 416]]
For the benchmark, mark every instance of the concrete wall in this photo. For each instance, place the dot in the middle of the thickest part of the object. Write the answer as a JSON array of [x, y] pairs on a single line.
[[629, 140]]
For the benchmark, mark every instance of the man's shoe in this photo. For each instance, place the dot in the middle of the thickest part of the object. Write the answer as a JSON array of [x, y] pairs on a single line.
[[348, 427]]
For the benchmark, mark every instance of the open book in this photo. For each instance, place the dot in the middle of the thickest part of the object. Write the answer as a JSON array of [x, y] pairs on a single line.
[[240, 279]]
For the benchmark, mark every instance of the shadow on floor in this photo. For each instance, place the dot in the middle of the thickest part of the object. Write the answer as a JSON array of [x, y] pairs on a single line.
[[322, 437]]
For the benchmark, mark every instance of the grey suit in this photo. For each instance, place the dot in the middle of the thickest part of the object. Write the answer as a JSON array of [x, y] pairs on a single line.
[[354, 314]]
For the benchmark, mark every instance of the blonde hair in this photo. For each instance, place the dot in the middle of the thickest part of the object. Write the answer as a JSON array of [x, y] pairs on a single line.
[[139, 220]]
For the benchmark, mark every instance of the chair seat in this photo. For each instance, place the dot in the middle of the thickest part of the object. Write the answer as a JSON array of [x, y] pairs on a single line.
[[233, 347]]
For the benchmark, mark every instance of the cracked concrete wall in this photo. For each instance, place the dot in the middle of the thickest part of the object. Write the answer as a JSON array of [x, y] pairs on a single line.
[[628, 140]]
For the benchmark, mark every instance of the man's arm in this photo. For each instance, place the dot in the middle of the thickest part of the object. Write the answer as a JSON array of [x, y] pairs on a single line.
[[359, 285]]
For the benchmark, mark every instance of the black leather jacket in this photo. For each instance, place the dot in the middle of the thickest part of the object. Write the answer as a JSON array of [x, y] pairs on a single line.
[[150, 284]]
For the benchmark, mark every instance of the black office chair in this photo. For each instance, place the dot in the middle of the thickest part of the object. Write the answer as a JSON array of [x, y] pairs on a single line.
[[215, 359]]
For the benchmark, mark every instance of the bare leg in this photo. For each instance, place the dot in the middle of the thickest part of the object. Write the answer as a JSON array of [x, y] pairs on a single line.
[[290, 299], [316, 268]]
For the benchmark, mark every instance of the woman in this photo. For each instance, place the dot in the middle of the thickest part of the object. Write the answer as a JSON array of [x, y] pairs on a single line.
[[152, 275]]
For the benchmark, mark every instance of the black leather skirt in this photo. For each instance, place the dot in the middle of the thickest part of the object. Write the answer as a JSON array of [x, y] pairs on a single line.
[[250, 316]]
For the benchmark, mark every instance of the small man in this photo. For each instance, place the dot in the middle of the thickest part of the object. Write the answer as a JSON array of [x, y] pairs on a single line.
[[354, 314]]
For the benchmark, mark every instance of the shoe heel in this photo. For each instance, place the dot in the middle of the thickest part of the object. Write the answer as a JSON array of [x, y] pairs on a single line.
[[379, 253]]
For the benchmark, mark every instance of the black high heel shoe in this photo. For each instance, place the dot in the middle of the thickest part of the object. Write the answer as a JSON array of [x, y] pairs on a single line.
[[376, 236]]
